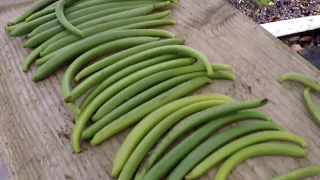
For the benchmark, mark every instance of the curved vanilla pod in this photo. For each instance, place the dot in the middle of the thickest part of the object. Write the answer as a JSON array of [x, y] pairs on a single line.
[[300, 173], [221, 154], [262, 149]]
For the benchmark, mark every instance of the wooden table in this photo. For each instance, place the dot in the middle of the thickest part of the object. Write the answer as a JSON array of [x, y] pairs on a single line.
[[35, 124]]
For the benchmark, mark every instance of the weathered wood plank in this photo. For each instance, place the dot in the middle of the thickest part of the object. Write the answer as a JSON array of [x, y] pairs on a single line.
[[35, 124]]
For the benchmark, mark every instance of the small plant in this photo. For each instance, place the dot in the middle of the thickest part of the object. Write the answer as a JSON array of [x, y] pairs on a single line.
[[265, 2]]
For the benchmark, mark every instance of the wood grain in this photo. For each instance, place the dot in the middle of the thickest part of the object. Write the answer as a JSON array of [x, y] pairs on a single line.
[[35, 124]]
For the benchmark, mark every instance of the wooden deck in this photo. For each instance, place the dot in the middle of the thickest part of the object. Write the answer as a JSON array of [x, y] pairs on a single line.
[[35, 124]]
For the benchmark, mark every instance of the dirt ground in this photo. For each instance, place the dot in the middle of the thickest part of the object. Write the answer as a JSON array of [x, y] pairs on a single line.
[[307, 44], [277, 10], [303, 41], [282, 10]]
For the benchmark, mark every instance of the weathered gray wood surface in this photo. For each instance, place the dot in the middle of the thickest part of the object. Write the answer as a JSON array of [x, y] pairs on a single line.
[[35, 123]]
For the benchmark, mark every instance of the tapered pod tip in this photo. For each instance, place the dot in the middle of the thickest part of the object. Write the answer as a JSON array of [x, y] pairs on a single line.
[[38, 63], [114, 174], [94, 118], [188, 177], [182, 40], [94, 142], [264, 101], [13, 33], [305, 144], [42, 53], [85, 136], [280, 128], [232, 77], [209, 81], [10, 23], [76, 150], [228, 68], [269, 119], [68, 99], [168, 11], [35, 78], [8, 29], [28, 19], [305, 153], [280, 80], [175, 1], [75, 143], [77, 78]]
